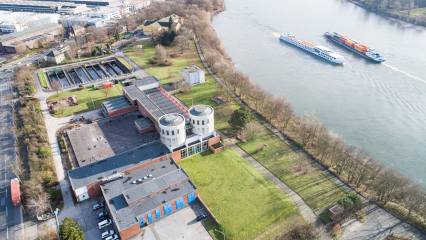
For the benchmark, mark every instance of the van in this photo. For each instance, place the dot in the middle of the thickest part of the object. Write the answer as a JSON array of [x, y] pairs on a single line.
[[104, 223], [107, 234], [113, 237]]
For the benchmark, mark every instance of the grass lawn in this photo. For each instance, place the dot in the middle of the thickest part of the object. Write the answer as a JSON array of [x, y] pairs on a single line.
[[314, 187], [119, 87], [42, 78], [325, 217], [245, 202], [125, 63], [84, 100], [189, 58]]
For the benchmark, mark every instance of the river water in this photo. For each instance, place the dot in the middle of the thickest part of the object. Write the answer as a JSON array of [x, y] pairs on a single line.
[[377, 107]]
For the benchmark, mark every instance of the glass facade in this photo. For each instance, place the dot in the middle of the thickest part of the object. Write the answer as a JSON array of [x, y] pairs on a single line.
[[194, 149]]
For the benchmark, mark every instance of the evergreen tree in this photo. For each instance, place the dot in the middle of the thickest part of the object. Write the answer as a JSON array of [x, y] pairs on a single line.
[[108, 46], [170, 23], [240, 117], [70, 230]]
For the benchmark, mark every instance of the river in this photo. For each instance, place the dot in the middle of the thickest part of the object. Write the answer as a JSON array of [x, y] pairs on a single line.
[[377, 107]]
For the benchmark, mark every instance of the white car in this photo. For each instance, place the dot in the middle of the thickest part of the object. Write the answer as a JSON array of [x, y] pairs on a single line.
[[104, 223], [107, 234], [114, 237]]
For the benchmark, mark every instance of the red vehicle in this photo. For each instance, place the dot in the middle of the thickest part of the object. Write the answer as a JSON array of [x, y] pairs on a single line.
[[15, 192]]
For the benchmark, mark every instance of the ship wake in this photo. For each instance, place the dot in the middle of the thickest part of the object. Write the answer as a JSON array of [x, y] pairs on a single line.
[[405, 73]]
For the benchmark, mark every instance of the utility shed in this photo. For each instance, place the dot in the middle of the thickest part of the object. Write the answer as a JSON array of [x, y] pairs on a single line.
[[335, 212], [193, 75]]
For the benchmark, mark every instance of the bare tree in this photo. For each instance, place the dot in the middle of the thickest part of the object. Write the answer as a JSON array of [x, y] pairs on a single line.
[[389, 184], [307, 127], [56, 86], [106, 90], [375, 168], [357, 158], [181, 42], [414, 198], [253, 129], [160, 53], [61, 106], [39, 204]]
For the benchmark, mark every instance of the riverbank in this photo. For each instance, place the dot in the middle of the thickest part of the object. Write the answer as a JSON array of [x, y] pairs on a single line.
[[390, 16]]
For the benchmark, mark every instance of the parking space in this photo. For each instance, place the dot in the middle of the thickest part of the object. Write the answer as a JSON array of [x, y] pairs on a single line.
[[182, 224]]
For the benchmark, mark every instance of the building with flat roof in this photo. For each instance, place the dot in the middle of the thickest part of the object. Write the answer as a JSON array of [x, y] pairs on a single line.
[[83, 21], [87, 2], [17, 21], [29, 37], [108, 13], [41, 6], [193, 75]]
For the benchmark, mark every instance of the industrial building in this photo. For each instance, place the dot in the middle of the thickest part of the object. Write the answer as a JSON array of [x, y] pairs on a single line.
[[108, 13], [193, 75], [87, 2], [42, 7], [83, 21], [17, 21], [29, 37]]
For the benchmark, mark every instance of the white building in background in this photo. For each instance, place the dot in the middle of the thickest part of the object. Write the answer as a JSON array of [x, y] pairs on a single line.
[[109, 12], [202, 120], [18, 21], [193, 75], [83, 21]]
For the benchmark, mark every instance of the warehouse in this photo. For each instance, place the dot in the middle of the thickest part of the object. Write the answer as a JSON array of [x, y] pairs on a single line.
[[40, 6], [83, 21], [29, 37], [87, 2], [17, 21]]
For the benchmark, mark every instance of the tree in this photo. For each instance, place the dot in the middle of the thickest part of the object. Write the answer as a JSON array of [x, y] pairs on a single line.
[[117, 36], [56, 86], [181, 42], [240, 117], [39, 204], [253, 129], [45, 152], [160, 54], [70, 230], [307, 127], [375, 168], [106, 90], [413, 199]]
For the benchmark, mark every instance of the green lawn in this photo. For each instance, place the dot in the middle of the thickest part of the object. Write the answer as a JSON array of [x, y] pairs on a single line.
[[314, 186], [325, 217], [125, 63], [42, 79], [119, 87], [84, 100], [245, 202], [189, 58]]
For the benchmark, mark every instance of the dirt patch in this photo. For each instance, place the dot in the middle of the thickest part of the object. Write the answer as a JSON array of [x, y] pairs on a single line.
[[138, 54], [65, 101], [297, 171]]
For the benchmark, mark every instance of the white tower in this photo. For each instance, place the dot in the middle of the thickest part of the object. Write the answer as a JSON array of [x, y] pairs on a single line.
[[172, 130], [202, 120]]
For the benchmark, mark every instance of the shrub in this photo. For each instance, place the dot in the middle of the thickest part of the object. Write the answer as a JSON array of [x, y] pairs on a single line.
[[45, 152], [54, 193], [32, 89]]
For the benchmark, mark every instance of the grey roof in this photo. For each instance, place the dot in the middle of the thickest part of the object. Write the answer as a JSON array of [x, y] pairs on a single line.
[[193, 69], [164, 22], [95, 172], [156, 101], [171, 119], [54, 53], [145, 81], [144, 122], [164, 173], [25, 32], [116, 104], [201, 110]]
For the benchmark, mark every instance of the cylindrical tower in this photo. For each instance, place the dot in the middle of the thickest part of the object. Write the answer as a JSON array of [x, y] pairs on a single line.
[[172, 129], [202, 119]]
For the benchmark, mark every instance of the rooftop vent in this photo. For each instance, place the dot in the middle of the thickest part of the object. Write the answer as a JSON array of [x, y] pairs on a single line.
[[140, 179], [150, 175], [134, 182]]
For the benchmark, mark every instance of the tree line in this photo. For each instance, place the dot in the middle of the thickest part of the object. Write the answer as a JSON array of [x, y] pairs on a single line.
[[354, 166]]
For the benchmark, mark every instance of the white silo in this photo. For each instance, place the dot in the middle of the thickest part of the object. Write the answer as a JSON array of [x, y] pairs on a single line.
[[172, 130], [202, 120]]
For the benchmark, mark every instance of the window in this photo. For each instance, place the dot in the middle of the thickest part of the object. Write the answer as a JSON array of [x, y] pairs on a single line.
[[193, 121], [207, 121], [173, 132], [167, 132], [177, 131], [198, 122], [163, 131], [202, 122]]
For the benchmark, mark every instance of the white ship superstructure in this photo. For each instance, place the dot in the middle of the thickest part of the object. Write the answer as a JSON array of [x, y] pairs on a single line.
[[317, 50]]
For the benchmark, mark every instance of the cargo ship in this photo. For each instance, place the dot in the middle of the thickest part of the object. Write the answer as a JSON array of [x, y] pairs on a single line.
[[317, 50], [355, 46], [15, 192]]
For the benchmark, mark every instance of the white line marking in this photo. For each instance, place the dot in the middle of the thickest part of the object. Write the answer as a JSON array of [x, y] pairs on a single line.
[[7, 233], [6, 189], [6, 212]]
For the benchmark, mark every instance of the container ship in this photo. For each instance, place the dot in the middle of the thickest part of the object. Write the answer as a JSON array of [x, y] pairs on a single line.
[[317, 50], [355, 46]]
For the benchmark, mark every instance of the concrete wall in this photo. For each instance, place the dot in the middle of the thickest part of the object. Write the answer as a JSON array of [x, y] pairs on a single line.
[[147, 129], [122, 111]]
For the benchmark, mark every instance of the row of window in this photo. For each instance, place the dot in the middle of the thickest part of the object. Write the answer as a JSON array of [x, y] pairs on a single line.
[[198, 122], [173, 132]]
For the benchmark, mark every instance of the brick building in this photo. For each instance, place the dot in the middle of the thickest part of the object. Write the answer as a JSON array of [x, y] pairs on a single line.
[[29, 37]]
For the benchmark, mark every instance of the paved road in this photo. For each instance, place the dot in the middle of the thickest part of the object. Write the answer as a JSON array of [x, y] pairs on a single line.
[[11, 226]]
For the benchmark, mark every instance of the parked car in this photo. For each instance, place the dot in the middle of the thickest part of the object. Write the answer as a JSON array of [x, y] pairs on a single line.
[[29, 96], [202, 216], [104, 223], [113, 237], [107, 234], [98, 206], [103, 218], [101, 214]]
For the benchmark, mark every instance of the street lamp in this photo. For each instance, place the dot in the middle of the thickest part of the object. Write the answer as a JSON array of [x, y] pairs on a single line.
[[192, 100], [222, 233]]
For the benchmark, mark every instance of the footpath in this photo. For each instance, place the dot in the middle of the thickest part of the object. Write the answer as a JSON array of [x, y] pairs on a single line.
[[378, 220]]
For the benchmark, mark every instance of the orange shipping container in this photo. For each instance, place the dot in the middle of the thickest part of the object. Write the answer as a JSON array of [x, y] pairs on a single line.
[[349, 42]]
